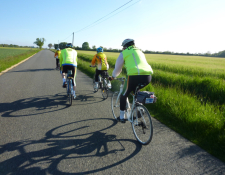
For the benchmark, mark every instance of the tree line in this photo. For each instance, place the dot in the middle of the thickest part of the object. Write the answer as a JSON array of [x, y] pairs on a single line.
[[85, 46], [208, 54], [13, 45]]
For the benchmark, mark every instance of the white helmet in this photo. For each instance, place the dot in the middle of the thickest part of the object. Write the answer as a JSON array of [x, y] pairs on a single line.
[[58, 49], [126, 41]]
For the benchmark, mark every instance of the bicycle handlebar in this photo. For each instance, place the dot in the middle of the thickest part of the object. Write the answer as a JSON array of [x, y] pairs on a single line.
[[93, 66], [120, 79]]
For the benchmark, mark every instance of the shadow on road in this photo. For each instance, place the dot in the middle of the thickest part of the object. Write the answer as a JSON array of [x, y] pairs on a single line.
[[67, 151], [33, 70], [45, 104], [34, 106]]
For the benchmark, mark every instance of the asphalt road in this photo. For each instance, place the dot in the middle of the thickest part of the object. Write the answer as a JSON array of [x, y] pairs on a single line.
[[40, 134]]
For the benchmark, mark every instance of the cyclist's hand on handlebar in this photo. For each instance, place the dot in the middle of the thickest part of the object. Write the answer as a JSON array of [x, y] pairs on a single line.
[[111, 78]]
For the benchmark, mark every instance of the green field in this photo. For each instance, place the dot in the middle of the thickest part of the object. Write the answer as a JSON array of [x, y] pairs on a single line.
[[11, 56], [7, 52], [191, 95]]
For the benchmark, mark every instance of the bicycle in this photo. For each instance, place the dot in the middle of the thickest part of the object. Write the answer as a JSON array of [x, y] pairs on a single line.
[[138, 115], [103, 84], [69, 88]]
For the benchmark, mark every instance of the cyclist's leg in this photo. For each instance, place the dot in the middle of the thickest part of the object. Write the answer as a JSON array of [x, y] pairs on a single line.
[[126, 91], [74, 74], [57, 62], [141, 79], [64, 70], [129, 86], [97, 72]]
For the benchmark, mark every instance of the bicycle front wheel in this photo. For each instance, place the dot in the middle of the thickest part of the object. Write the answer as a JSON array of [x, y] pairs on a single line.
[[116, 105], [142, 124]]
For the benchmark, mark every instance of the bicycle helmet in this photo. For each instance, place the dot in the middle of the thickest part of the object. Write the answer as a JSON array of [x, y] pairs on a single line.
[[99, 49], [126, 41], [58, 49], [69, 45]]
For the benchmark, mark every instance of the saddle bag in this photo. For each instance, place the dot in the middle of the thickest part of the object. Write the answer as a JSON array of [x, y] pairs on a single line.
[[146, 97]]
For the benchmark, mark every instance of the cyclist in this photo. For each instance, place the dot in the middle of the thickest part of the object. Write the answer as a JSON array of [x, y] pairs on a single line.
[[102, 66], [68, 61], [138, 71], [57, 55]]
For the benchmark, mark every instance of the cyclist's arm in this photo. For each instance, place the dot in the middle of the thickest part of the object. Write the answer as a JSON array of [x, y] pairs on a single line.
[[60, 59], [56, 54], [93, 61], [118, 66]]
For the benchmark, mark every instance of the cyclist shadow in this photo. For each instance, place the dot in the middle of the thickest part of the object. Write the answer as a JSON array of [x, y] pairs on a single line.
[[85, 97], [58, 148], [39, 105]]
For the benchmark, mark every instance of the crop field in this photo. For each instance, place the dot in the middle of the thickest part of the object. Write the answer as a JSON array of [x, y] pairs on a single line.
[[11, 56], [7, 52], [191, 95]]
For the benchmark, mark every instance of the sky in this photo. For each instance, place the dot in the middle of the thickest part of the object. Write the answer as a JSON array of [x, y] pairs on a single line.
[[194, 26]]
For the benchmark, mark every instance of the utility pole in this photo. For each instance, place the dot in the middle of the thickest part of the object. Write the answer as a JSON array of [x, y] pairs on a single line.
[[73, 38]]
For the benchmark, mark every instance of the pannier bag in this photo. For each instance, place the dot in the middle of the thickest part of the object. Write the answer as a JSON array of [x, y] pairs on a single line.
[[146, 97]]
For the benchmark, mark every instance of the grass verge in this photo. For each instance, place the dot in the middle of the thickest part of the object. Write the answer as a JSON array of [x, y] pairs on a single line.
[[202, 124], [7, 62]]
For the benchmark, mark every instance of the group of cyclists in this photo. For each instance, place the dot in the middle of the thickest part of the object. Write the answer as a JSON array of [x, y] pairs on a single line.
[[137, 68]]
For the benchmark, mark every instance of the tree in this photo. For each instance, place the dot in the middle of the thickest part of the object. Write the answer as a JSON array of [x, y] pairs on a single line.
[[50, 45], [40, 42], [62, 45], [56, 46], [85, 46], [94, 47]]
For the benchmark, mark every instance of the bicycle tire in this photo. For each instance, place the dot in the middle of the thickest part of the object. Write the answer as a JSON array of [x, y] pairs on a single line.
[[142, 124], [70, 93], [115, 104], [104, 89]]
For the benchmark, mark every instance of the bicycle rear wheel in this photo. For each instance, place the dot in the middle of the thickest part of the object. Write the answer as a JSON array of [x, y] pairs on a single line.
[[115, 105], [142, 124], [70, 92]]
